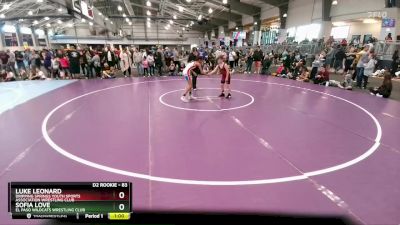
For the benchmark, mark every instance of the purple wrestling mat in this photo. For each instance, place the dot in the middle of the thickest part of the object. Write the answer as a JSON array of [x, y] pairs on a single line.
[[278, 146]]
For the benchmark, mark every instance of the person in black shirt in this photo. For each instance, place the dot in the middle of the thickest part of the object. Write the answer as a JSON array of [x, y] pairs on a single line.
[[339, 56], [257, 57], [19, 59], [192, 57], [74, 62], [395, 62], [349, 60]]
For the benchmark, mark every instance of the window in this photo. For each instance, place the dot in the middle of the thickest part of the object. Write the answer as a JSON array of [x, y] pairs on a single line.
[[340, 32], [309, 32]]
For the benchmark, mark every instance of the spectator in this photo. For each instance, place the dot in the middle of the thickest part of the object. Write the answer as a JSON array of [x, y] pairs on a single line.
[[385, 89]]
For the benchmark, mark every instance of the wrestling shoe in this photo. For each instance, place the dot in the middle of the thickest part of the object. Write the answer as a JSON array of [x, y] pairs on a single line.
[[184, 99], [229, 96], [221, 95]]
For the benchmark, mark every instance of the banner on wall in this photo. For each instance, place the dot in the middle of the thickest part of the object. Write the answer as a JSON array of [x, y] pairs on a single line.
[[387, 22]]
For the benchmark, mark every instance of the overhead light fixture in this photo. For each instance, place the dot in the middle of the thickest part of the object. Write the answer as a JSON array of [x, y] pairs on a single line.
[[180, 8], [130, 23], [148, 19], [46, 18], [21, 20], [175, 17], [339, 24], [70, 25], [171, 21], [148, 3], [35, 22], [127, 20], [6, 6], [60, 9], [48, 25], [2, 15], [191, 22], [106, 18], [187, 25], [188, 0], [210, 10], [59, 21], [100, 13], [123, 15], [111, 22], [83, 20], [119, 8], [225, 1], [90, 24], [148, 24], [183, 28], [166, 27], [200, 17], [237, 28], [30, 13], [370, 21], [39, 1], [284, 15], [148, 13], [334, 2], [255, 23]]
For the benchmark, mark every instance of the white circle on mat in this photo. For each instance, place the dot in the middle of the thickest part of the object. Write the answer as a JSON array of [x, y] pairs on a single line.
[[161, 99], [306, 175]]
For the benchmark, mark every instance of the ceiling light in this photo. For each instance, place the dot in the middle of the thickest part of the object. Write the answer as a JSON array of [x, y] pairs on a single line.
[[106, 18], [46, 18], [21, 20], [174, 17], [119, 8], [59, 21], [237, 28], [148, 24], [90, 24], [339, 24], [100, 13], [370, 21], [2, 15], [35, 22], [284, 15], [255, 23], [30, 13], [171, 22], [225, 1], [334, 2], [166, 27], [40, 1], [130, 23], [187, 25], [180, 8], [188, 0], [6, 6], [111, 22], [127, 20], [123, 15], [148, 19], [60, 9], [200, 17], [70, 25], [148, 13], [210, 10], [148, 3], [183, 28], [83, 20], [48, 25]]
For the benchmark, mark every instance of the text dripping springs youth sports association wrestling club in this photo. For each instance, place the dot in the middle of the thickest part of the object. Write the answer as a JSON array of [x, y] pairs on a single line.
[[72, 200]]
